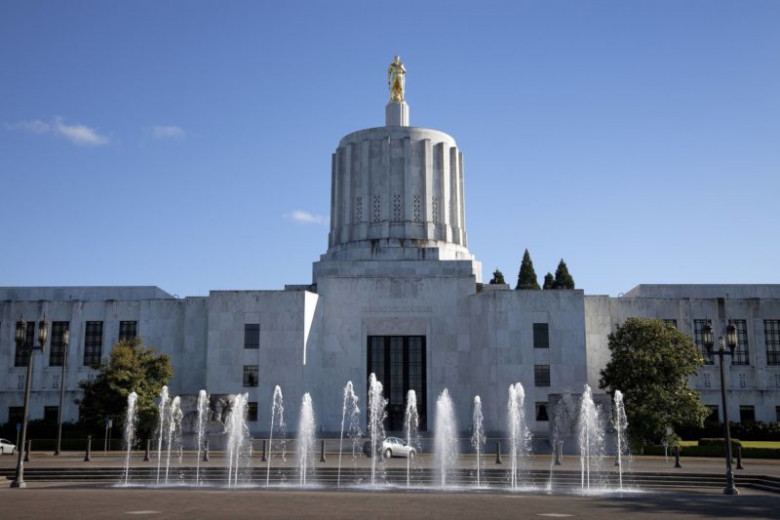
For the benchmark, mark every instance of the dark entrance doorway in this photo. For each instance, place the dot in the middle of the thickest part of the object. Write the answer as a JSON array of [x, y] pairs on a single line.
[[399, 364]]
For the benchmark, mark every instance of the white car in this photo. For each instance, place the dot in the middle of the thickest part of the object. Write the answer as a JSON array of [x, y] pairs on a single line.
[[6, 447], [395, 447]]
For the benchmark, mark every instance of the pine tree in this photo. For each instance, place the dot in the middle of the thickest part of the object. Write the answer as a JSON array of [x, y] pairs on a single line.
[[549, 282], [526, 278], [498, 278], [563, 279]]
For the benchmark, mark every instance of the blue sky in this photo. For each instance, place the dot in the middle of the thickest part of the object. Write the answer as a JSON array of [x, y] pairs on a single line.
[[174, 143]]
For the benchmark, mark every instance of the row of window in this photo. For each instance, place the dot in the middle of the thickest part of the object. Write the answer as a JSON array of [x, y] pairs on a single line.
[[740, 357], [93, 342], [747, 414]]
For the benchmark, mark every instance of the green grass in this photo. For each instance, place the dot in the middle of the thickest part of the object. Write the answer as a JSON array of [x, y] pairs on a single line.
[[746, 444]]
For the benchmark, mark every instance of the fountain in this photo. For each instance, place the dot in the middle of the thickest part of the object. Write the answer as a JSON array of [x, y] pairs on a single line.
[[203, 408], [411, 426], [477, 436], [306, 429], [164, 401], [237, 433], [130, 420], [277, 421], [620, 423], [376, 406], [519, 436], [350, 414], [591, 438], [563, 425], [445, 440], [173, 422]]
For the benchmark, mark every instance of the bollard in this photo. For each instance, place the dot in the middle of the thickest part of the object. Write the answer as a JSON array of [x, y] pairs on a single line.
[[206, 451], [739, 457], [498, 452], [322, 450], [265, 452], [88, 455], [677, 457], [146, 453], [558, 453], [28, 450]]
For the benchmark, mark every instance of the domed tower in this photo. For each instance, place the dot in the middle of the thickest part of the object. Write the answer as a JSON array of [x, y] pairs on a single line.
[[396, 193]]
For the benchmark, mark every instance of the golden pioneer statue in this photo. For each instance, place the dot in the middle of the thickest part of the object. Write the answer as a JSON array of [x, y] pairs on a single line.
[[396, 80]]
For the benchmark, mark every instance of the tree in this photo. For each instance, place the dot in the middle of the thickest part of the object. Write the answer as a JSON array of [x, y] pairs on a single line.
[[563, 279], [549, 282], [651, 363], [526, 278], [498, 278], [132, 368]]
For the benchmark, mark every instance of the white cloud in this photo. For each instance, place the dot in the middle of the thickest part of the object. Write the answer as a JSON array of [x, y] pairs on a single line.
[[304, 217], [161, 132], [77, 134]]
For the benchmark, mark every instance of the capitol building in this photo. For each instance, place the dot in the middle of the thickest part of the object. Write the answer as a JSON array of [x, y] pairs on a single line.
[[397, 293]]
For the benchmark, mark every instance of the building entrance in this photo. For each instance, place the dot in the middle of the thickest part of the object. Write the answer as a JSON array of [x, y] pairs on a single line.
[[399, 364]]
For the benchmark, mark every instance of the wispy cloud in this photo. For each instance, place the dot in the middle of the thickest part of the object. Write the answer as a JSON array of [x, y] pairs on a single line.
[[77, 134], [304, 217], [162, 132]]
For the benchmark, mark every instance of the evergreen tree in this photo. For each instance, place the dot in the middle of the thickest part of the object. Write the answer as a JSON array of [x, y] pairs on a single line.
[[549, 281], [563, 279], [651, 364], [526, 278], [498, 278]]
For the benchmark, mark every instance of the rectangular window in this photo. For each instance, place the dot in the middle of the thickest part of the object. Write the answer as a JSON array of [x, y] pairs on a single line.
[[252, 335], [23, 354], [777, 413], [541, 375], [740, 356], [712, 418], [251, 411], [57, 353], [128, 330], [541, 335], [772, 335], [541, 412], [399, 364], [15, 415], [698, 328], [671, 322], [747, 414], [50, 414], [251, 375], [93, 343]]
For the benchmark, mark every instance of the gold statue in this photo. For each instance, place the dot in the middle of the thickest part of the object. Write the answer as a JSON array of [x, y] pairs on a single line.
[[396, 80]]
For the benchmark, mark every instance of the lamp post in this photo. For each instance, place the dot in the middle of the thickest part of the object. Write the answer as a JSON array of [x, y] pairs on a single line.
[[731, 343], [21, 336], [65, 343]]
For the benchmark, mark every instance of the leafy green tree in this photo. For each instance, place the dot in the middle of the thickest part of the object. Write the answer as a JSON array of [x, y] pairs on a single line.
[[526, 278], [563, 279], [549, 281], [132, 368], [498, 278], [651, 363]]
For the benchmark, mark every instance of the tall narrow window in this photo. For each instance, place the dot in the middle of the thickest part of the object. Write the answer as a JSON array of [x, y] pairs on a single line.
[[128, 330], [740, 356], [698, 327], [541, 412], [541, 375], [22, 356], [251, 411], [772, 338], [712, 418], [541, 335], [251, 375], [251, 335], [57, 353], [93, 343], [399, 364]]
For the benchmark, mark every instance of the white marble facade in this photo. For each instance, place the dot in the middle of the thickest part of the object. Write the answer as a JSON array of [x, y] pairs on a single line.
[[397, 265]]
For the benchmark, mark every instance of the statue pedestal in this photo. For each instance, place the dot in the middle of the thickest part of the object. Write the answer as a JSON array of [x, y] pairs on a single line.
[[397, 114]]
